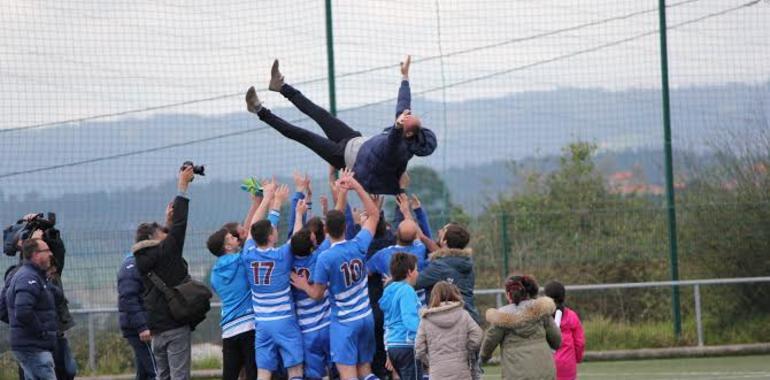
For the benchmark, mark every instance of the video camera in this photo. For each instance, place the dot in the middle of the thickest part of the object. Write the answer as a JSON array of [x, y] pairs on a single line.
[[23, 229]]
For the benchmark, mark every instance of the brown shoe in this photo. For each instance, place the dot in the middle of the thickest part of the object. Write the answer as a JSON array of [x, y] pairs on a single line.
[[276, 79], [253, 104]]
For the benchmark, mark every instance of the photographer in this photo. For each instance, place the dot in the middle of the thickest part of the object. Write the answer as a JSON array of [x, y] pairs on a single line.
[[159, 259], [35, 226]]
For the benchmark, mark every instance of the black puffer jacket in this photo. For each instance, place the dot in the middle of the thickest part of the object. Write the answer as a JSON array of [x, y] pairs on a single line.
[[456, 267], [164, 258]]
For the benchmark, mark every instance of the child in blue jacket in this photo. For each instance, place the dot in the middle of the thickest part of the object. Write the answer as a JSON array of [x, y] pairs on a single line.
[[401, 305]]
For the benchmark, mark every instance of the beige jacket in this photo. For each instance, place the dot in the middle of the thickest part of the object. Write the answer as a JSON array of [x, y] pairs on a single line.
[[445, 340], [526, 333]]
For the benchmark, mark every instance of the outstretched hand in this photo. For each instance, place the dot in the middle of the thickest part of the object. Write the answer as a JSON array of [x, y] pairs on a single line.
[[301, 207], [405, 67]]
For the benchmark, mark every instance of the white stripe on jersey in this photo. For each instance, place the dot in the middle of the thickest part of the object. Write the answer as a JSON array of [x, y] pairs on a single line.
[[353, 301], [270, 295], [351, 291], [360, 307], [271, 309], [309, 301], [311, 320], [303, 311], [362, 316], [271, 301], [264, 319]]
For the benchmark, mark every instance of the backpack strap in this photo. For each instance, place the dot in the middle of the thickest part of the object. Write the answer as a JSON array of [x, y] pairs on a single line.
[[160, 285]]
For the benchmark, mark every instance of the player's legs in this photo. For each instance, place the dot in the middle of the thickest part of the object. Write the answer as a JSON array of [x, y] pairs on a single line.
[[367, 346], [316, 353], [330, 151], [334, 128], [288, 339], [266, 352]]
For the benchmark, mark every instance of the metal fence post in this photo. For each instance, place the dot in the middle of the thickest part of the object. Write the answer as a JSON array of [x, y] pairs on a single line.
[[330, 59], [504, 245], [698, 317], [670, 200], [91, 344], [499, 300]]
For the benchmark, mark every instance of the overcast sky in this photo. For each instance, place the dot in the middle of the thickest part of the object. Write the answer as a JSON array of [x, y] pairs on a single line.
[[62, 60]]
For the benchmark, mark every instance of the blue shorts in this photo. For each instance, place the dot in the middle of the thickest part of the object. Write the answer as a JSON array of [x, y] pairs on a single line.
[[317, 358], [274, 338], [352, 342]]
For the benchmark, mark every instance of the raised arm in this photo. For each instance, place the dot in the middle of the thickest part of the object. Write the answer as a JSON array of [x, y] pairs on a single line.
[[255, 202], [299, 193], [300, 208], [268, 192], [178, 227], [281, 195], [404, 92], [420, 215], [347, 182]]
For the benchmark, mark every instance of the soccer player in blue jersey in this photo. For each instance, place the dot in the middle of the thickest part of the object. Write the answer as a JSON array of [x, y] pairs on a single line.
[[268, 268], [407, 242], [312, 315], [342, 271]]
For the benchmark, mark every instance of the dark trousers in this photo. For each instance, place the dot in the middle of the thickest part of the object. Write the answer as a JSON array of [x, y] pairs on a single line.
[[144, 361], [405, 363], [332, 147], [64, 363], [237, 353]]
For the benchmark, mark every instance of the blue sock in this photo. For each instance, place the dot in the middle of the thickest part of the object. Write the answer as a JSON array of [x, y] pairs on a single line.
[[371, 377]]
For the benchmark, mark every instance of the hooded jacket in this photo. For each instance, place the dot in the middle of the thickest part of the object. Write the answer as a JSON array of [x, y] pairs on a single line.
[[164, 258], [400, 305], [447, 339], [228, 279], [383, 158], [456, 267], [132, 314], [526, 334], [31, 310]]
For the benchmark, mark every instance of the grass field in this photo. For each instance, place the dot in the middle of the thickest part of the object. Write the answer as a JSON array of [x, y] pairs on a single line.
[[727, 368]]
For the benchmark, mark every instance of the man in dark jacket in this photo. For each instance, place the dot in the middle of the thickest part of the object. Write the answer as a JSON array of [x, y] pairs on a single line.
[[377, 161], [133, 318], [32, 312], [159, 253]]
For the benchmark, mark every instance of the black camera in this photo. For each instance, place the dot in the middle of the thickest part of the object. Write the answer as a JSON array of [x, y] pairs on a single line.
[[199, 169], [23, 230]]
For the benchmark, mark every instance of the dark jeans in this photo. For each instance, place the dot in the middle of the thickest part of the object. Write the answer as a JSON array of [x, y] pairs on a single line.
[[64, 363], [144, 361], [332, 147], [237, 353], [405, 363]]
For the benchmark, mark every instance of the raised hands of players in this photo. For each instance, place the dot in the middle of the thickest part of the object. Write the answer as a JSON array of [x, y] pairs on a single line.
[[405, 67], [347, 181], [403, 205], [281, 195], [268, 188], [299, 182], [324, 204], [301, 208], [415, 202]]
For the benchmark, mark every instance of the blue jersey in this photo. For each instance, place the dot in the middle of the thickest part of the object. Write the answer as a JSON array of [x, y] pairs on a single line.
[[268, 276], [342, 268], [380, 261], [312, 314]]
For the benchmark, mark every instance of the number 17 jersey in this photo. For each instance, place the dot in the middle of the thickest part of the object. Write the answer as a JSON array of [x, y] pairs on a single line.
[[343, 268], [268, 274]]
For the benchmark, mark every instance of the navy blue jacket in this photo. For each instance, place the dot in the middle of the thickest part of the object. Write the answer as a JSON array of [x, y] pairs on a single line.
[[382, 159], [133, 316], [31, 310]]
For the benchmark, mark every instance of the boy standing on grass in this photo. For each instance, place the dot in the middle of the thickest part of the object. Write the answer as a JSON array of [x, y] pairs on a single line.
[[400, 305]]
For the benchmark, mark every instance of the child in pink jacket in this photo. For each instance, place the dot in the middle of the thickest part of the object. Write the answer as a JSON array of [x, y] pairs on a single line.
[[573, 341]]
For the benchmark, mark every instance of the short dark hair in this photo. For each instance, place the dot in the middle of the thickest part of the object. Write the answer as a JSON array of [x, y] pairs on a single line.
[[145, 231], [216, 242], [400, 265], [456, 236], [301, 243], [316, 226], [261, 230], [232, 228], [555, 290], [29, 247], [335, 223]]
